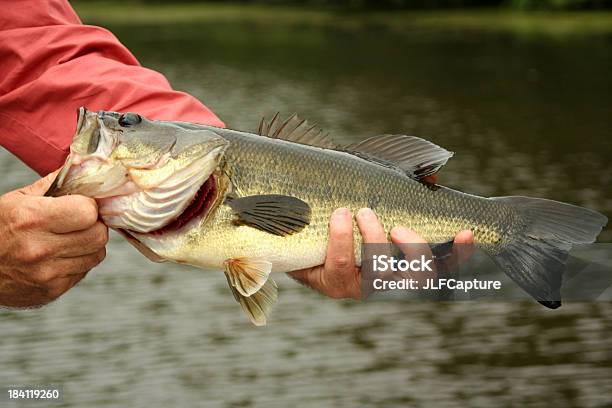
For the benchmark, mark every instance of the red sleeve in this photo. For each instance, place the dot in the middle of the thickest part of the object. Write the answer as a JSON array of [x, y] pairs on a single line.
[[51, 64]]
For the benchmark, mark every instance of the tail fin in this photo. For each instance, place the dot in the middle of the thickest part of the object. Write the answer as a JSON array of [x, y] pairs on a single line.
[[535, 257]]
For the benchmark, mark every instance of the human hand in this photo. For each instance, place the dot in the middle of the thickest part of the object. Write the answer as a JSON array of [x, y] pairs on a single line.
[[48, 244], [339, 278]]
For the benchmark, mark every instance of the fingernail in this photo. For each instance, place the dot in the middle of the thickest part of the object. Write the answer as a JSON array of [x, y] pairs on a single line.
[[366, 214], [399, 232], [340, 213], [404, 235]]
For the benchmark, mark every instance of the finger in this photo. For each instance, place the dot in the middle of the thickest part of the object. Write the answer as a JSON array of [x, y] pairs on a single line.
[[403, 235], [464, 237], [310, 277], [339, 251], [375, 244], [68, 213], [340, 248], [413, 246], [59, 286], [463, 249], [340, 275], [371, 229], [338, 278], [63, 267], [79, 243], [29, 294], [463, 246], [40, 186]]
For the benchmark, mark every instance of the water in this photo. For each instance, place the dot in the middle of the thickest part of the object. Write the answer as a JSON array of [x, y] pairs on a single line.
[[525, 116]]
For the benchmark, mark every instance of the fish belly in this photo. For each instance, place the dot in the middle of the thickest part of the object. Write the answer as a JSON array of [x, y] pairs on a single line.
[[221, 239]]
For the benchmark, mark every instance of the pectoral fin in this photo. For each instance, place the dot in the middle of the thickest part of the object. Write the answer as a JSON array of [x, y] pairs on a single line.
[[277, 214], [259, 304]]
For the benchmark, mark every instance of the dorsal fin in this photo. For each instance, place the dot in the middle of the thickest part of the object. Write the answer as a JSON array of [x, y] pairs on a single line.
[[295, 130], [417, 157]]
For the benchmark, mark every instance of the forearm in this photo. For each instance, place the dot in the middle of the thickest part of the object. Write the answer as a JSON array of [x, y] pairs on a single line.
[[52, 64]]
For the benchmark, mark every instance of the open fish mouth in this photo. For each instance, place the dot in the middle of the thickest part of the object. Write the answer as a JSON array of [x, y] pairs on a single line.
[[148, 177], [200, 205], [166, 207]]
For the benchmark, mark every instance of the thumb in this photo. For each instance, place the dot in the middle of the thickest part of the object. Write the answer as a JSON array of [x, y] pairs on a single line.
[[310, 277], [40, 187]]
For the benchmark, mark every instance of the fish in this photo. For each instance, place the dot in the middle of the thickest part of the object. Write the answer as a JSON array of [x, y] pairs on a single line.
[[253, 204]]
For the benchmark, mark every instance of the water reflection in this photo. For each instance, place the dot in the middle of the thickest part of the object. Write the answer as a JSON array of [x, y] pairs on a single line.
[[524, 116]]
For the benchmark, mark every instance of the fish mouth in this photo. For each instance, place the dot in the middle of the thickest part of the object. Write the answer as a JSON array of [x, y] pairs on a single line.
[[160, 203], [198, 208]]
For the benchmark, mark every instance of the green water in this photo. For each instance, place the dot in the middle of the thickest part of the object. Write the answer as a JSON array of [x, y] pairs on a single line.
[[525, 116]]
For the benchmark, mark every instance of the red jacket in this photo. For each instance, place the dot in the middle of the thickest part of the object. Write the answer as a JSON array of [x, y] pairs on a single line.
[[50, 64]]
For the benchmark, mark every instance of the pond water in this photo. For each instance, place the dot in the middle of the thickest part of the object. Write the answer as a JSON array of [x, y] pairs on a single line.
[[525, 116]]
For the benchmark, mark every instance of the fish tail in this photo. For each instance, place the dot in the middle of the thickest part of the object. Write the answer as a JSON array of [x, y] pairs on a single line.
[[535, 257]]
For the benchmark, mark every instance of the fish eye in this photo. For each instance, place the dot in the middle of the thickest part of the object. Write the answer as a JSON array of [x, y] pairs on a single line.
[[129, 119]]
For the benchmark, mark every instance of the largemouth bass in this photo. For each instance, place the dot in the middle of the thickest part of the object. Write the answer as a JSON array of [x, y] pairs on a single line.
[[255, 203]]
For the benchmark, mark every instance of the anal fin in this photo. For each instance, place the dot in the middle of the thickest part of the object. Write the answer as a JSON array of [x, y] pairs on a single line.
[[259, 305]]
